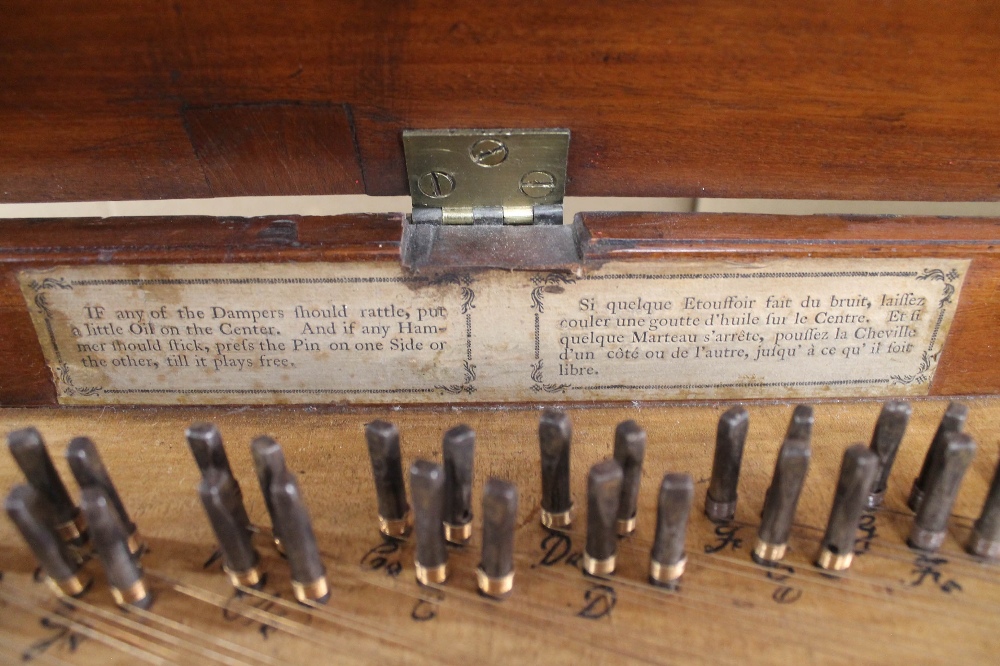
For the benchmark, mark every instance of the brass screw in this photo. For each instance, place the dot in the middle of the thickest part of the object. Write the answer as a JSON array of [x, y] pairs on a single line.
[[436, 184], [537, 184], [488, 152]]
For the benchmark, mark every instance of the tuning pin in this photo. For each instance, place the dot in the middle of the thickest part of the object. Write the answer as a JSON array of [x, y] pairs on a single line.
[[985, 538], [223, 504], [427, 488], [308, 573], [720, 500], [889, 431], [667, 561], [554, 434], [495, 575], [32, 457], [89, 470], [205, 443], [858, 470], [943, 480], [781, 500], [458, 454], [801, 424], [394, 517], [110, 542], [953, 421], [630, 449], [33, 516], [604, 491], [268, 461]]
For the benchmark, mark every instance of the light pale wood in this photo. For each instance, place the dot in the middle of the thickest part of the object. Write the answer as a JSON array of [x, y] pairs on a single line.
[[725, 612]]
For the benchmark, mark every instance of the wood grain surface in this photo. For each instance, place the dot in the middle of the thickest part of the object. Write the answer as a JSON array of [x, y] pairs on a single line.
[[835, 99], [893, 606], [969, 365]]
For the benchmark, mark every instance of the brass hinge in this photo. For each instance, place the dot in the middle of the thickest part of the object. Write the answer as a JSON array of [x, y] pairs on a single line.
[[487, 177]]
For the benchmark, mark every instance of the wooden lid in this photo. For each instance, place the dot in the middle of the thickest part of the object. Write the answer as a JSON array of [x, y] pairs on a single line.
[[833, 99]]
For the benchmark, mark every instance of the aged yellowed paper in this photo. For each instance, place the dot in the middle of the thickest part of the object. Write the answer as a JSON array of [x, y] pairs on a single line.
[[372, 333]]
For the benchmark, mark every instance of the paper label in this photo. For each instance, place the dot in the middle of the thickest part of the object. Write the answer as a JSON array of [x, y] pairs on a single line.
[[371, 333]]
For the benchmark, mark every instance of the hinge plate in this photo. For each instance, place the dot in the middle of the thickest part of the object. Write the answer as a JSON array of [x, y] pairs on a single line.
[[500, 176]]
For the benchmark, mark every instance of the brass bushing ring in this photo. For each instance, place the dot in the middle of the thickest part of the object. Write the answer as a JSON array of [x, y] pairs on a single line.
[[596, 567], [557, 521]]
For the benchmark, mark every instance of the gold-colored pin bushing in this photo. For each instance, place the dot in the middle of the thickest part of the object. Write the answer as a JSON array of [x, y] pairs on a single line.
[[557, 521], [458, 534], [317, 590], [497, 588], [596, 567], [396, 528], [626, 527], [133, 595], [69, 587], [664, 574], [431, 575], [831, 561], [249, 578], [278, 546], [73, 530], [769, 552], [134, 544]]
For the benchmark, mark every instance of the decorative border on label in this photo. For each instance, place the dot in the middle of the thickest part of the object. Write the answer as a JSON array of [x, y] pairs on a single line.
[[40, 289], [545, 284], [551, 283]]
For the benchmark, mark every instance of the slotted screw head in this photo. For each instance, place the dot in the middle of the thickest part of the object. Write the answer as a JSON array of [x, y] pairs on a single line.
[[436, 184], [537, 184], [488, 152]]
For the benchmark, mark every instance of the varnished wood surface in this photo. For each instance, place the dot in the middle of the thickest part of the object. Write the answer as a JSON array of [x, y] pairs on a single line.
[[969, 365], [891, 607], [123, 100]]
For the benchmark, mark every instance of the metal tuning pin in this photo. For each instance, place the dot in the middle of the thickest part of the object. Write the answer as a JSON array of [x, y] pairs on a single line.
[[223, 503], [268, 461], [604, 491], [32, 514], [458, 455], [89, 470], [205, 443], [630, 449], [495, 575], [394, 519], [943, 480], [554, 435], [801, 424], [667, 561], [985, 538], [110, 542], [33, 458], [858, 471], [889, 431], [427, 489], [781, 500], [720, 500], [953, 421], [309, 582]]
